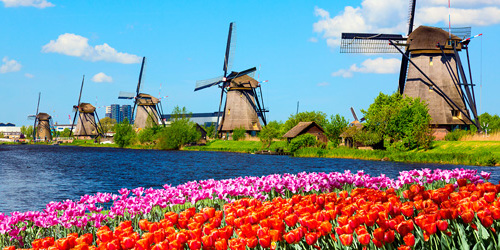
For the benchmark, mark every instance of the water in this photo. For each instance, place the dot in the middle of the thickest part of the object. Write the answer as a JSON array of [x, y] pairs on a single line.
[[33, 175]]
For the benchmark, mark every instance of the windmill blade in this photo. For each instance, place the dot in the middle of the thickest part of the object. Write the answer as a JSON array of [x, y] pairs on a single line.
[[36, 114], [31, 117], [250, 71], [140, 76], [411, 15], [126, 95], [231, 40], [81, 88], [202, 84], [354, 114], [370, 43], [38, 104]]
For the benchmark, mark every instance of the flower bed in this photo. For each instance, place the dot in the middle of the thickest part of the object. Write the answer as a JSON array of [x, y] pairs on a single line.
[[332, 209]]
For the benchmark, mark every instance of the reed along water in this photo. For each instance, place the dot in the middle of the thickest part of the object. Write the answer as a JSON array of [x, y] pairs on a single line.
[[31, 176]]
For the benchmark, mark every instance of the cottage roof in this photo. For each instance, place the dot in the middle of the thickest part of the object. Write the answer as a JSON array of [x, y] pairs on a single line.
[[427, 38], [299, 128]]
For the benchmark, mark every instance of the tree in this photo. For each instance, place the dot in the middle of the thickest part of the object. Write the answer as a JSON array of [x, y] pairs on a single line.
[[489, 122], [336, 126], [403, 122], [210, 130], [270, 132], [150, 132], [180, 132], [124, 134], [107, 125], [27, 131], [65, 133], [307, 116]]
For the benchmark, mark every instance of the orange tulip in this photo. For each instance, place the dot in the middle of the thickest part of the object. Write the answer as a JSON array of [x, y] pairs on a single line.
[[311, 238], [364, 239], [409, 240], [346, 239]]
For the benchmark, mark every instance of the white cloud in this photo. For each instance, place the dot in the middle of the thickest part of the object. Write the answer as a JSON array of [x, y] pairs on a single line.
[[101, 77], [28, 75], [9, 66], [313, 39], [323, 84], [378, 66], [78, 46], [27, 3], [391, 16]]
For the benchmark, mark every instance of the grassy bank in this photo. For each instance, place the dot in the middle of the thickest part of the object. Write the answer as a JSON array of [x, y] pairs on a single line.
[[478, 153], [236, 146]]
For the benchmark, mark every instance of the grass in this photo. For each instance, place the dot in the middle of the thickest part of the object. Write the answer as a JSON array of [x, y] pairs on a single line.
[[236, 146], [478, 153]]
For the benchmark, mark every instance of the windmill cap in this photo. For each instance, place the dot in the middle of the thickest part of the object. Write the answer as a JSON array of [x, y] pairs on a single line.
[[86, 108], [244, 81], [43, 116], [145, 99], [426, 38]]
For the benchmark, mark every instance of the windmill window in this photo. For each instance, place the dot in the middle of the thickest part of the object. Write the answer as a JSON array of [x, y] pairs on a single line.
[[455, 113], [228, 111], [430, 61]]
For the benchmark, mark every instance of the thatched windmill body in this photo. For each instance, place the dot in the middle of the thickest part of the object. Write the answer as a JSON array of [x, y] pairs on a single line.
[[42, 125], [431, 69], [244, 103], [148, 106], [87, 127]]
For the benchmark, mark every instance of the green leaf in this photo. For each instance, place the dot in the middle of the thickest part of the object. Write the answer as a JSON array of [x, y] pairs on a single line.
[[445, 244], [483, 232], [464, 245]]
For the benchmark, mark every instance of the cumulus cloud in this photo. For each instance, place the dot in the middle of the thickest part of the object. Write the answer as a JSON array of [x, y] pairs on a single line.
[[28, 75], [78, 46], [101, 77], [391, 16], [27, 3], [9, 65], [378, 66]]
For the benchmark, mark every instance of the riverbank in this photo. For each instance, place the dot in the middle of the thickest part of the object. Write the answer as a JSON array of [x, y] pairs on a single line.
[[477, 153]]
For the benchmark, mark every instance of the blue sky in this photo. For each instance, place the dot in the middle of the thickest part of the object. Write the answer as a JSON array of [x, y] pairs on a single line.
[[47, 45]]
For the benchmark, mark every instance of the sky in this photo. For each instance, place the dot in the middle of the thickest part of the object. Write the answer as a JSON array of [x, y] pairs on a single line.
[[48, 45]]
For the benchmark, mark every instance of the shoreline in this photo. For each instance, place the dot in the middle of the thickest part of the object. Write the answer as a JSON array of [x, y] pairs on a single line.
[[473, 153]]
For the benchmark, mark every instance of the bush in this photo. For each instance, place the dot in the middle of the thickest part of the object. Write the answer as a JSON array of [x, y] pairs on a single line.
[[302, 141], [181, 131], [125, 134], [336, 126], [456, 135], [238, 134], [269, 133]]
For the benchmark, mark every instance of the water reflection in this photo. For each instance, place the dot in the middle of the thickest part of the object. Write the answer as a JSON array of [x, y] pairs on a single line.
[[32, 176]]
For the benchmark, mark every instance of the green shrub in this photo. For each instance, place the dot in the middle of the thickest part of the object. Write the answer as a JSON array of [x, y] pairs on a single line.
[[455, 135], [181, 131], [125, 134], [302, 141], [268, 133], [239, 133]]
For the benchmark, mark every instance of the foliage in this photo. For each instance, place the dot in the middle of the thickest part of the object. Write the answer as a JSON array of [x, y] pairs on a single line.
[[239, 134], [150, 132], [124, 134], [1, 135], [65, 133], [367, 137], [210, 130], [270, 132], [27, 131], [336, 126], [302, 141], [107, 125], [489, 123], [456, 135], [180, 132], [307, 116], [402, 121]]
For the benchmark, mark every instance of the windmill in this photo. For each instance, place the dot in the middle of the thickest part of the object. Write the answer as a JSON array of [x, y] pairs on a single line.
[[42, 125], [87, 127], [242, 107], [148, 106], [431, 69], [356, 121]]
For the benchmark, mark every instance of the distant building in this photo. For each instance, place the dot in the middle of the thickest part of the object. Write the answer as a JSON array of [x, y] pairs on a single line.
[[115, 112], [7, 124], [307, 128], [10, 132], [125, 112], [108, 111]]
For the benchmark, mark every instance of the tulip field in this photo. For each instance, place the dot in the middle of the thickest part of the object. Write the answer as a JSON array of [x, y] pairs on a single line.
[[420, 209]]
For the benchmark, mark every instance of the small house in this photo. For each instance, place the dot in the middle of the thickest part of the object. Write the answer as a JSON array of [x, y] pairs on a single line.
[[307, 128]]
